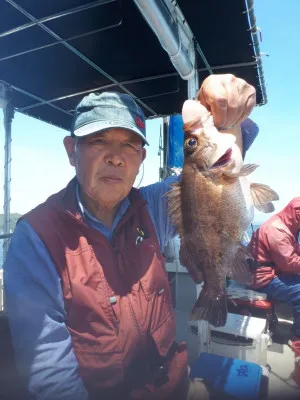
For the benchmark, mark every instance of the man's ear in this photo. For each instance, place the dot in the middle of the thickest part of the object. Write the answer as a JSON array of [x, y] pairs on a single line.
[[144, 154], [70, 144]]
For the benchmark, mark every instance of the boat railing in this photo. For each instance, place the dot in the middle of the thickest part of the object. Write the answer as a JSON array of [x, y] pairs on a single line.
[[6, 236], [1, 290]]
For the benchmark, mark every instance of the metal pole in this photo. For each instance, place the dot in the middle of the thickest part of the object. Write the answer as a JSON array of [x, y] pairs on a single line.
[[204, 332], [55, 16], [193, 85], [254, 32], [193, 81], [8, 113]]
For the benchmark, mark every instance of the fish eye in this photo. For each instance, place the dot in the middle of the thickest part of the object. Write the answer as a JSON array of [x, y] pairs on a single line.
[[191, 143]]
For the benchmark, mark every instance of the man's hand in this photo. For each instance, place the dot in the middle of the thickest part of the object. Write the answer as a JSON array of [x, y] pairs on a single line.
[[228, 98], [197, 390]]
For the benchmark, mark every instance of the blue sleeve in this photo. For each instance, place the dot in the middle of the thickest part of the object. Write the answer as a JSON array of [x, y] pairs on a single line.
[[35, 307], [157, 206], [249, 132]]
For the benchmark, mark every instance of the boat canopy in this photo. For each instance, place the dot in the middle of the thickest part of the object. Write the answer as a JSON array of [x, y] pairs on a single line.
[[54, 52]]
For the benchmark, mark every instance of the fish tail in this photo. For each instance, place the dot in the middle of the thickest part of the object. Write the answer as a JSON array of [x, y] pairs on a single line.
[[213, 310]]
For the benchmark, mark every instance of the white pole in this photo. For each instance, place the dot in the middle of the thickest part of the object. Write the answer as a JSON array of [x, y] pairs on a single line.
[[204, 333], [8, 113]]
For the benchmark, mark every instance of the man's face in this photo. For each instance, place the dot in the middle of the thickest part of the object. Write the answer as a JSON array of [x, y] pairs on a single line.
[[106, 164]]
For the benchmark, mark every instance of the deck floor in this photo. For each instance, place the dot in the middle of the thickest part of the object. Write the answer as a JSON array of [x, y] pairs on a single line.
[[280, 358], [282, 362]]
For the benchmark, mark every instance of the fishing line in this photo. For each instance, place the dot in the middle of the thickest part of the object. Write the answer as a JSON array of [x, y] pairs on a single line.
[[142, 177]]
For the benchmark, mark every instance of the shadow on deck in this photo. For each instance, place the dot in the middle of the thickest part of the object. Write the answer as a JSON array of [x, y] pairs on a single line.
[[10, 384]]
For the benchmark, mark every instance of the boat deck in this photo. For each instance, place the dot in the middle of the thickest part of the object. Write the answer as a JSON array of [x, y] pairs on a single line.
[[280, 358], [282, 362]]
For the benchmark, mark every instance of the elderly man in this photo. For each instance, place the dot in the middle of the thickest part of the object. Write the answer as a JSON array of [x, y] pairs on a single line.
[[87, 294]]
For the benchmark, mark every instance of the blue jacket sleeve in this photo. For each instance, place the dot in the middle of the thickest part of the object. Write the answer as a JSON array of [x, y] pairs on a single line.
[[249, 132], [157, 206], [35, 307]]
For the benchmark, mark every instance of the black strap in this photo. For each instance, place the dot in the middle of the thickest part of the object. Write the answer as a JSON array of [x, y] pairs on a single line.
[[161, 374], [254, 265], [266, 264]]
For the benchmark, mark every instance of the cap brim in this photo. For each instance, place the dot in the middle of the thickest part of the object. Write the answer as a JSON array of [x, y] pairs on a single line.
[[98, 126]]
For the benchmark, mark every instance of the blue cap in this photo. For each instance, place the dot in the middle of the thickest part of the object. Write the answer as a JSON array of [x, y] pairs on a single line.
[[99, 111]]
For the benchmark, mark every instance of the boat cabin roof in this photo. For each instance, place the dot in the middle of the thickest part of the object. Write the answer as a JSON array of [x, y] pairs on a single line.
[[54, 52]]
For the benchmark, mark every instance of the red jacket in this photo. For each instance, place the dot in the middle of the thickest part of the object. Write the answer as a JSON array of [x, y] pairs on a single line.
[[275, 245], [117, 297]]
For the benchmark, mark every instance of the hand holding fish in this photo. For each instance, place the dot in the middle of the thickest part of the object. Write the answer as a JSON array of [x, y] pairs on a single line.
[[228, 98]]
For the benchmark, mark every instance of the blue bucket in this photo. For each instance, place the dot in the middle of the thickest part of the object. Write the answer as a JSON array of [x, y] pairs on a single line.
[[237, 378]]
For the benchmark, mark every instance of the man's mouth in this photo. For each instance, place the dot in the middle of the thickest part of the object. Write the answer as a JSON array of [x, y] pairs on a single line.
[[112, 178], [224, 159]]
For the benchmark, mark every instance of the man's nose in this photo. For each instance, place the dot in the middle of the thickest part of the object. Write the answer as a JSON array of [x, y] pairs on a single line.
[[114, 157]]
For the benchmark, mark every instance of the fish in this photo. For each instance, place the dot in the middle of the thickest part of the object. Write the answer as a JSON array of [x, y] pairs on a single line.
[[211, 207]]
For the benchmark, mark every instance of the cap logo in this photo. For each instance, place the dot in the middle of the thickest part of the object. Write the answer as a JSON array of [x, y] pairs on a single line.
[[139, 122]]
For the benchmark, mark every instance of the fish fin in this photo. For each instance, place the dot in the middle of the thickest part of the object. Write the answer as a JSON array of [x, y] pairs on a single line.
[[266, 208], [240, 270], [174, 205], [262, 195], [213, 310], [246, 169], [187, 261]]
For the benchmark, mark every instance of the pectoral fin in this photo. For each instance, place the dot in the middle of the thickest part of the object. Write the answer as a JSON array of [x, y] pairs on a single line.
[[262, 196], [239, 269], [247, 169], [266, 208]]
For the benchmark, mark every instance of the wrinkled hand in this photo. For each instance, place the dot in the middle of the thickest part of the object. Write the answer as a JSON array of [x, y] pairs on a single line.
[[197, 390], [228, 98]]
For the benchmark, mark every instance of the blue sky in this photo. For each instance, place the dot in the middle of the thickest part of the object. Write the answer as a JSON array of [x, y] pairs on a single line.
[[40, 166], [277, 148]]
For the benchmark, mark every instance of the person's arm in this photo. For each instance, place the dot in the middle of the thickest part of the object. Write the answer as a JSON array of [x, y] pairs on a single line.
[[157, 206], [283, 251], [35, 307], [249, 132]]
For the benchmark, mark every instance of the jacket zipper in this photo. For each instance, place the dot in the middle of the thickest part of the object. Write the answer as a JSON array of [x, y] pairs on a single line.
[[137, 328], [113, 301], [116, 322]]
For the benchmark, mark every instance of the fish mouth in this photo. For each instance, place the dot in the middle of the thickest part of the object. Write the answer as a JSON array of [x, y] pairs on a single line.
[[223, 160]]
